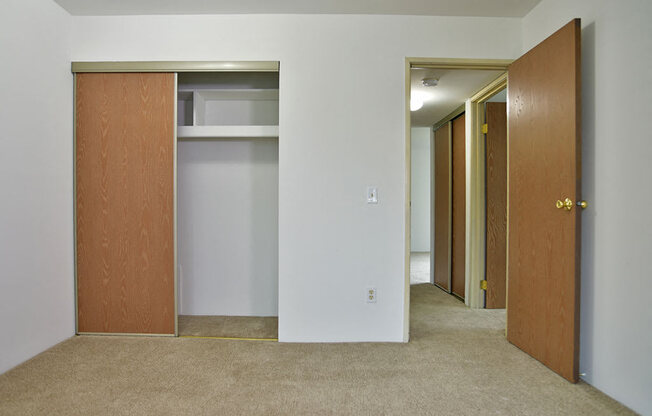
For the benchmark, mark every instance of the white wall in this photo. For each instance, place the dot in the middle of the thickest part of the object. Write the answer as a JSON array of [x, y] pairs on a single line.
[[420, 192], [616, 318], [342, 128], [36, 229], [228, 227]]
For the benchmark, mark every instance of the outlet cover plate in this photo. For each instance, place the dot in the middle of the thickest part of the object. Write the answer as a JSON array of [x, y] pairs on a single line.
[[371, 295]]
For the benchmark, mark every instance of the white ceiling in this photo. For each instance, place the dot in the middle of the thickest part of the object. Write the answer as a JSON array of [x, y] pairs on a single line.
[[455, 86], [487, 8]]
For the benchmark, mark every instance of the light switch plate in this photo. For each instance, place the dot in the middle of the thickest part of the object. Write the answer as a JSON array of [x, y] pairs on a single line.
[[372, 195]]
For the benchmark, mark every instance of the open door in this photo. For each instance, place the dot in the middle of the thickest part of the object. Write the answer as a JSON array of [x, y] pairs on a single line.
[[496, 204], [544, 234]]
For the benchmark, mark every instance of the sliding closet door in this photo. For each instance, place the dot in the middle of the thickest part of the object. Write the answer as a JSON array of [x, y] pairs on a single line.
[[458, 277], [124, 207], [442, 168]]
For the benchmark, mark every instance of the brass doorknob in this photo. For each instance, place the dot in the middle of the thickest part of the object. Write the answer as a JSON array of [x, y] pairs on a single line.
[[566, 204]]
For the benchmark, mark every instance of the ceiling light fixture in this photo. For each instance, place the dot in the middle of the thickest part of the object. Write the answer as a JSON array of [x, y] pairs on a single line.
[[415, 104], [430, 82]]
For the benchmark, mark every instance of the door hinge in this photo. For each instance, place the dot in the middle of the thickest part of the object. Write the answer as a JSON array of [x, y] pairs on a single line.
[[483, 284], [485, 128]]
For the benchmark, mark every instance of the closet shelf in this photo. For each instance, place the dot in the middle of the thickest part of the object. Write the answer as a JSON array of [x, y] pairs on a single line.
[[226, 132], [230, 94]]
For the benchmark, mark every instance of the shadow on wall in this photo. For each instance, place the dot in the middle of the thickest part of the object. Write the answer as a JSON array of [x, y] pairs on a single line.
[[587, 301]]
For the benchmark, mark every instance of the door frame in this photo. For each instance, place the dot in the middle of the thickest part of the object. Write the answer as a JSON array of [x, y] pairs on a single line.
[[474, 177], [477, 217]]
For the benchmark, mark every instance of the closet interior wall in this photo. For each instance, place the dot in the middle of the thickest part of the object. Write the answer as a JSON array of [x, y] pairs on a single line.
[[228, 193]]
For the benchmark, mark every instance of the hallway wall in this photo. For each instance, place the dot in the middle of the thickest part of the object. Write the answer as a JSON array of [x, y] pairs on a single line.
[[420, 192]]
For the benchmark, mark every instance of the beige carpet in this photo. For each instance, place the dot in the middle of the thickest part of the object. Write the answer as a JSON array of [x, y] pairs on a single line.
[[457, 363], [228, 326]]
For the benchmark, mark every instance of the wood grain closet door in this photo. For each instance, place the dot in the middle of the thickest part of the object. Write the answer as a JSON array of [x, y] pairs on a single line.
[[543, 301], [124, 207], [459, 207], [442, 173], [496, 256]]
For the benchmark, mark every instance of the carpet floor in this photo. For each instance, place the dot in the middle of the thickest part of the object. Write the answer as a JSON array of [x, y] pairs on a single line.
[[457, 363], [228, 326]]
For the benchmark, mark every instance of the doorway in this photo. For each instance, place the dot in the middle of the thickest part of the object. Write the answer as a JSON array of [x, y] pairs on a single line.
[[421, 238], [543, 187], [440, 113]]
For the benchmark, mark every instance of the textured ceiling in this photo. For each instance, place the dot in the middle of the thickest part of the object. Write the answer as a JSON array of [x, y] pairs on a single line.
[[487, 8]]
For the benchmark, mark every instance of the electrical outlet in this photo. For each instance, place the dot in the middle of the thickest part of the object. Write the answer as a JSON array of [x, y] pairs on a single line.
[[371, 295]]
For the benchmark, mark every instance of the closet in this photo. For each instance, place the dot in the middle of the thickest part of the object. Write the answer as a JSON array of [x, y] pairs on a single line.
[[450, 206], [176, 194], [228, 204]]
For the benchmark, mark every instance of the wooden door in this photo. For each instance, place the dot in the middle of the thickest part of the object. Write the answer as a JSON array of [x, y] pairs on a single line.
[[544, 166], [442, 180], [496, 198], [459, 207], [124, 203]]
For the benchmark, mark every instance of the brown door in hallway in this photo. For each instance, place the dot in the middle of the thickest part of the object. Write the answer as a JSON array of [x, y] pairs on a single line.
[[544, 167], [458, 207], [442, 168], [496, 176], [124, 207]]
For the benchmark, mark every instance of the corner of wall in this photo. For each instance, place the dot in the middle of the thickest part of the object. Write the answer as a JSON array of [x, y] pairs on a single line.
[[36, 291]]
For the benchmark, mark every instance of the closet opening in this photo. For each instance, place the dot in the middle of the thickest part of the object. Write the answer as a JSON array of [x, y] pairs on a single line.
[[227, 204]]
